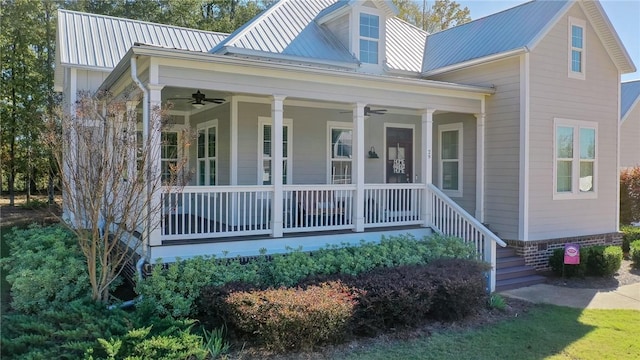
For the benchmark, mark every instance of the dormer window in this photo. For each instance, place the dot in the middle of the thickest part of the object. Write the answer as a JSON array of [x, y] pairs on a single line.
[[369, 38], [576, 48]]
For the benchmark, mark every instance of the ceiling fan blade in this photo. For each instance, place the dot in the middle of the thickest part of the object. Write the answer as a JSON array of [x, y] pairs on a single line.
[[215, 100]]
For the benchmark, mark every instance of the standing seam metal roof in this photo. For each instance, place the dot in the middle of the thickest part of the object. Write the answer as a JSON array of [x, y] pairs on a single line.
[[505, 31], [91, 40], [290, 28], [629, 95]]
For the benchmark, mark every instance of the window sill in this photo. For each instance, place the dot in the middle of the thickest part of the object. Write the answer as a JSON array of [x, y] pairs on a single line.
[[575, 196]]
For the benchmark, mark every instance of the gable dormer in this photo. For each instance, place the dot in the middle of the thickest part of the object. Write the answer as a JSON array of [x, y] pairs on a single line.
[[361, 28]]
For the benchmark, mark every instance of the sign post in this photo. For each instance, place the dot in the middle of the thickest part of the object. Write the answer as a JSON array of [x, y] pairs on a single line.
[[571, 255]]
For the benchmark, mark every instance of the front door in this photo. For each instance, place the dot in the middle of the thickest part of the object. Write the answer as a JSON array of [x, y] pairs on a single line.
[[399, 155]]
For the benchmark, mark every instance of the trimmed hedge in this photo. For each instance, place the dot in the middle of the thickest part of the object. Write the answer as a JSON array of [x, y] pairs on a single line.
[[173, 289], [635, 253], [460, 288], [629, 235], [594, 261], [288, 319], [381, 299]]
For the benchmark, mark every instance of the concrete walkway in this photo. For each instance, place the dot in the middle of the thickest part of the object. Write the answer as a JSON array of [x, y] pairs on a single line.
[[624, 297]]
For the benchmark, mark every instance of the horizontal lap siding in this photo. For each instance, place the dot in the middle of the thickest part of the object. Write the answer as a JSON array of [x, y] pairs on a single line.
[[630, 139], [469, 131], [502, 145], [555, 95]]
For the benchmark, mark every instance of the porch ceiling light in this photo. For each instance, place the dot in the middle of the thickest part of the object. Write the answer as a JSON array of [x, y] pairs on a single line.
[[198, 105]]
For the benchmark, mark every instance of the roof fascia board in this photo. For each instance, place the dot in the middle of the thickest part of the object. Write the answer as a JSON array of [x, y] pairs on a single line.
[[541, 34], [118, 71], [478, 61], [629, 67], [229, 60], [334, 14], [266, 55]]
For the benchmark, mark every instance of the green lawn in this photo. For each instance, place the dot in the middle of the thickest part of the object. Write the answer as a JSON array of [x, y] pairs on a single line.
[[547, 332]]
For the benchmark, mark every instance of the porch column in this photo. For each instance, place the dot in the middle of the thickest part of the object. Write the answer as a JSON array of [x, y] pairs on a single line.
[[480, 119], [153, 140], [277, 110], [427, 163], [357, 154]]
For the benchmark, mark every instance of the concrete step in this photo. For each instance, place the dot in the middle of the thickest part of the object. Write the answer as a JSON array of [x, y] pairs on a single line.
[[509, 261], [505, 252], [514, 272], [515, 283]]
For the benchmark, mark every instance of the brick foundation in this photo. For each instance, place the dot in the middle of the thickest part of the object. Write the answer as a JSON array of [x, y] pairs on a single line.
[[536, 253]]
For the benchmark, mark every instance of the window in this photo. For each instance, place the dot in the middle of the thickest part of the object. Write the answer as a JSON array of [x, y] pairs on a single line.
[[264, 163], [575, 159], [207, 153], [169, 154], [369, 38], [340, 158], [450, 162], [576, 48]]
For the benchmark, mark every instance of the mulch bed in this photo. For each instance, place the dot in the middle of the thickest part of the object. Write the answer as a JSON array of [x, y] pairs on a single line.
[[625, 276]]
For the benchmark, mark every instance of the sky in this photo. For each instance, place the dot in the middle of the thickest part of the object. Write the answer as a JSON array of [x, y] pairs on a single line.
[[623, 14]]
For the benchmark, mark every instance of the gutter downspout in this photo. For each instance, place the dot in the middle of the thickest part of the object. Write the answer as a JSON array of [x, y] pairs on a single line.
[[145, 238], [145, 133]]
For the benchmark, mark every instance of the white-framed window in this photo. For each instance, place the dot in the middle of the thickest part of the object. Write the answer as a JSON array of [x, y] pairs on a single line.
[[207, 153], [369, 39], [168, 154], [450, 159], [340, 159], [575, 159], [265, 170], [577, 41]]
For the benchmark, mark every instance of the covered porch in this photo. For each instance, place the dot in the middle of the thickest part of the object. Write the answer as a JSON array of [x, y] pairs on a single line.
[[293, 150]]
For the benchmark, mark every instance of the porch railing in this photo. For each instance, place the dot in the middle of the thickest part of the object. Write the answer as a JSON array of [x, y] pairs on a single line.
[[197, 212], [448, 218], [393, 204], [317, 207]]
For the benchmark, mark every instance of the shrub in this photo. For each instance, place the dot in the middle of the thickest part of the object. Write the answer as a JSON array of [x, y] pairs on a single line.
[[635, 253], [594, 261], [604, 260], [630, 195], [172, 290], [64, 333], [285, 319], [460, 288], [45, 268], [629, 235], [391, 298], [556, 262], [174, 343]]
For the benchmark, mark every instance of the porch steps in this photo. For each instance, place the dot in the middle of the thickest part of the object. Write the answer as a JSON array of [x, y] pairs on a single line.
[[511, 271]]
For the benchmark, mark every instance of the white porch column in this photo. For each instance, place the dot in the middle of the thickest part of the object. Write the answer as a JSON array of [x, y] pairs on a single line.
[[233, 143], [357, 153], [152, 122], [277, 114], [427, 163], [480, 119]]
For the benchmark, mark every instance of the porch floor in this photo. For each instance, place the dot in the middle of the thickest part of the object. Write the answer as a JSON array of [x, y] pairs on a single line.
[[188, 241]]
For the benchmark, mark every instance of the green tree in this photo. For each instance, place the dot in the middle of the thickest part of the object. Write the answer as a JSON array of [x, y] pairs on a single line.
[[21, 88], [440, 15]]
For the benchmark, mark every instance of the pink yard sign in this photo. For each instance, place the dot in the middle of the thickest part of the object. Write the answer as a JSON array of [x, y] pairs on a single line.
[[572, 254]]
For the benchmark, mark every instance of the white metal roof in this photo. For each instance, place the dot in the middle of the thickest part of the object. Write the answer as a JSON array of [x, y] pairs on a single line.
[[629, 97], [98, 41], [405, 44], [520, 27], [502, 32]]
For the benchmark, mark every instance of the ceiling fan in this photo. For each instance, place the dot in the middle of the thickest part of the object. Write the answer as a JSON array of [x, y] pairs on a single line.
[[199, 99], [369, 111]]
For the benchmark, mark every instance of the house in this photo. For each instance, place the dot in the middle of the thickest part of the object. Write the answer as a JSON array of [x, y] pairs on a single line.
[[336, 122], [630, 124]]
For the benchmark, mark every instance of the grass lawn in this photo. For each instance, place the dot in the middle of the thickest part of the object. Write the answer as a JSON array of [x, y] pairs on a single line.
[[546, 332]]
